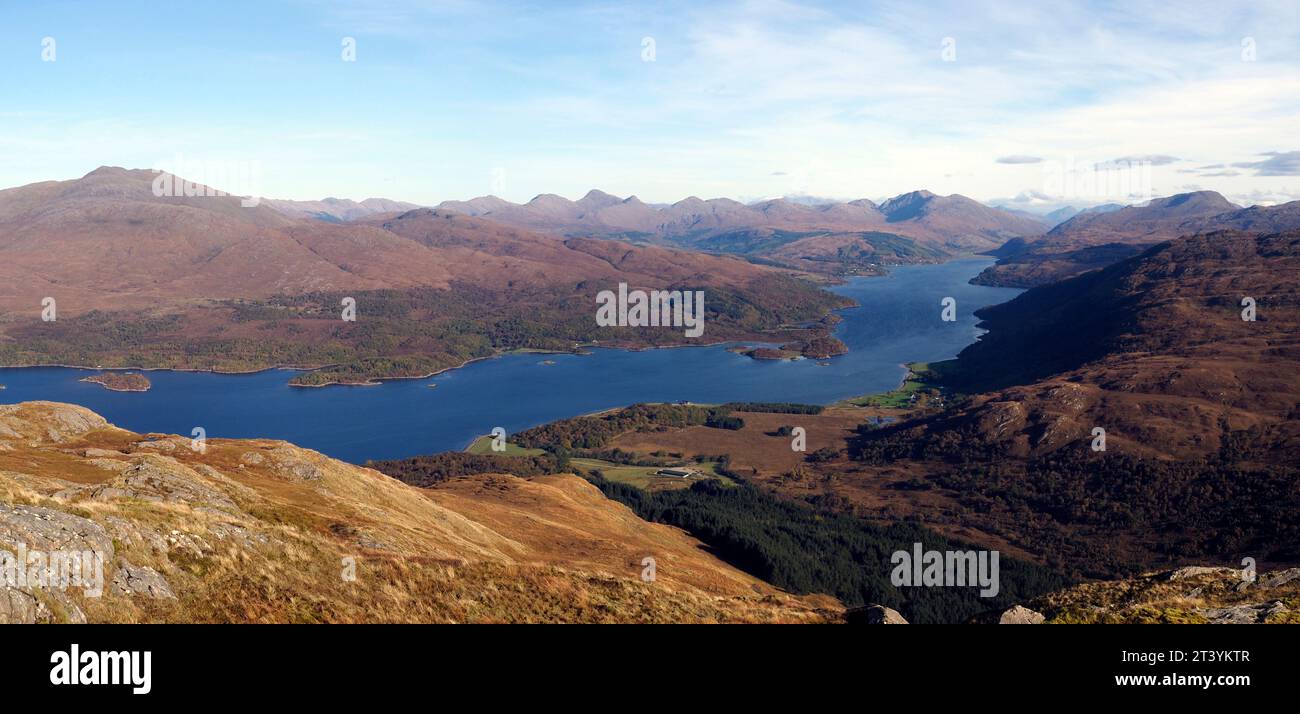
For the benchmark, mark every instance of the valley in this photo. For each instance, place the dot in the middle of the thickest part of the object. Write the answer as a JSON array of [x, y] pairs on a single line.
[[912, 429], [1198, 410]]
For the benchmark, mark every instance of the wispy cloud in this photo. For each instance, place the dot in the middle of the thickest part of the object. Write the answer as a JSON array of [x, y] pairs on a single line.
[[847, 98], [1278, 163]]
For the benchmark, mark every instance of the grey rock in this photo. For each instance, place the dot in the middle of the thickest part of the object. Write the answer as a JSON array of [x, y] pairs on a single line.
[[881, 615], [46, 529], [140, 580], [1280, 578], [31, 529], [1020, 615], [162, 479], [1244, 614], [1198, 570]]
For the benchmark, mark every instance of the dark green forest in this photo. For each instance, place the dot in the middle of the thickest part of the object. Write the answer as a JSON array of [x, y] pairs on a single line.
[[806, 550], [1107, 514]]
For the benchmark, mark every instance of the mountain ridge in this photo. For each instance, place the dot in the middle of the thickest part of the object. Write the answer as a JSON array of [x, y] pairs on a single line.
[[833, 236], [1093, 239]]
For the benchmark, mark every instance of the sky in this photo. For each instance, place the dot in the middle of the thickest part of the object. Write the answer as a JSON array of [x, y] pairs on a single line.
[[1032, 104]]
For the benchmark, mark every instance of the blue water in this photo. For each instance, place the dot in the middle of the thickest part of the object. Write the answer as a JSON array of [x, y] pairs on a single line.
[[898, 321]]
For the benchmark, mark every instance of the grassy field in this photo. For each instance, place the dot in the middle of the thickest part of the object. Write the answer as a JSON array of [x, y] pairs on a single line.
[[917, 383], [643, 477], [483, 445]]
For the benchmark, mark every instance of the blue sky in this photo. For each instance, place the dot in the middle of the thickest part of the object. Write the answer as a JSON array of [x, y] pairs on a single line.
[[743, 99]]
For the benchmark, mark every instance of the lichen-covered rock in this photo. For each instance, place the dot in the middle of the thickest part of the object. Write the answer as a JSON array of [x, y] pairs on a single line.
[[48, 530], [27, 606], [139, 580], [31, 529], [160, 478]]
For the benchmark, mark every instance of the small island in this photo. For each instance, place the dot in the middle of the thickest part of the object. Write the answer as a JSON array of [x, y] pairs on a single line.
[[823, 347], [121, 381]]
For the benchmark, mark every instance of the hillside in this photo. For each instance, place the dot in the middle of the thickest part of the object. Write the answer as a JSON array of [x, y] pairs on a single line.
[[201, 282], [258, 531], [1199, 410], [1155, 344], [1094, 239]]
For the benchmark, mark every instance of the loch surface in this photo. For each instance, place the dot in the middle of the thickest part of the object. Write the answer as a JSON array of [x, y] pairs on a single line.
[[898, 321]]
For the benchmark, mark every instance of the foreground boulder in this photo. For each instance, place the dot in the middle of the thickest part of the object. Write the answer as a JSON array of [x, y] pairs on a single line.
[[875, 615], [1020, 615]]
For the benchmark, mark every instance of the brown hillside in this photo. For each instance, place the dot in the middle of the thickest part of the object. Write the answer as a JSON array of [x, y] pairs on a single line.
[[257, 531]]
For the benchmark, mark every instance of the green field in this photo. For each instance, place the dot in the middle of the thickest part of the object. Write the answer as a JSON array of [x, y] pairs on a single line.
[[483, 445], [918, 382], [643, 477]]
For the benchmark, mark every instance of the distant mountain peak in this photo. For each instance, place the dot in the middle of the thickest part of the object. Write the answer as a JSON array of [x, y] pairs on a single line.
[[906, 206], [596, 198], [108, 171], [1197, 199]]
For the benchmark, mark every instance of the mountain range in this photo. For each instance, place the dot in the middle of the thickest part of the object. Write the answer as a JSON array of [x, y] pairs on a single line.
[[338, 210], [1096, 238], [825, 237]]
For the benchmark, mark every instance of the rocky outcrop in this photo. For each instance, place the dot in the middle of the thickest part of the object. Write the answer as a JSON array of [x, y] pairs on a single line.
[[140, 581], [32, 588], [1193, 595], [1245, 614], [160, 478], [1193, 571]]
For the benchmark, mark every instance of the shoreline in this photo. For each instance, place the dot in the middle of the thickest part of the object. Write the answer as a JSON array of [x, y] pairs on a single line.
[[579, 351]]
